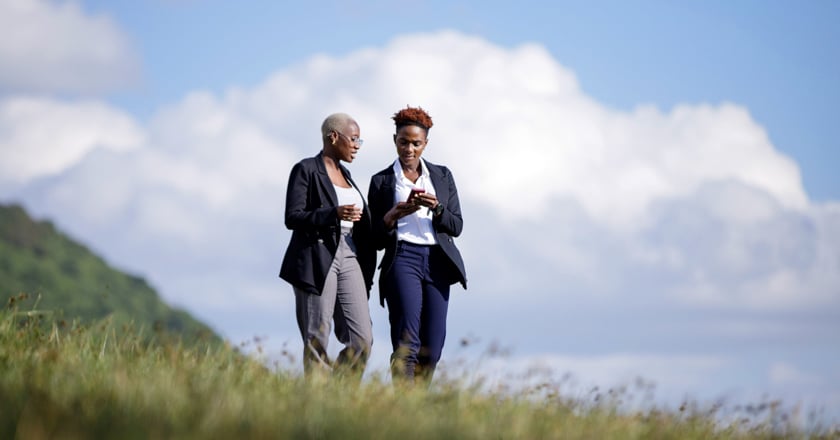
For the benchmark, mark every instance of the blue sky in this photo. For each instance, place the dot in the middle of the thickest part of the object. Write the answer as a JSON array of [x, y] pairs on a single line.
[[648, 187]]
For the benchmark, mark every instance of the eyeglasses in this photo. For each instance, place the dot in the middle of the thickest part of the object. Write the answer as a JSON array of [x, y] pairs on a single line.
[[355, 139]]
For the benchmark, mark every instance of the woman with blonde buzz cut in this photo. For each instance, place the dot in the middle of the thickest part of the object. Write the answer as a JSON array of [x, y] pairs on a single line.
[[330, 261]]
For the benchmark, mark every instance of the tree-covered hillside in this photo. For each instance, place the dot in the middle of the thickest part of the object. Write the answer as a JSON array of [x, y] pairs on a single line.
[[39, 260]]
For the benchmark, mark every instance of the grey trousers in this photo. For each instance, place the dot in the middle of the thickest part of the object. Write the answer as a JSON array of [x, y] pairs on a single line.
[[343, 300]]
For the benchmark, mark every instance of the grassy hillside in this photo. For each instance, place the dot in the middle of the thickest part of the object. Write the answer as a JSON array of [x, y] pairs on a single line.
[[68, 279], [80, 381]]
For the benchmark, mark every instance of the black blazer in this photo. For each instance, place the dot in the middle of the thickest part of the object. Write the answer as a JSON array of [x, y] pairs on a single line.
[[447, 225], [316, 228]]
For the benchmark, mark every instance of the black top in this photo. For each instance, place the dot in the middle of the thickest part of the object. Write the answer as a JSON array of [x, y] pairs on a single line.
[[316, 228]]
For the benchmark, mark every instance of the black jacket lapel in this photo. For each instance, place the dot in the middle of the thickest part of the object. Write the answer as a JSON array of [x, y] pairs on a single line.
[[324, 180]]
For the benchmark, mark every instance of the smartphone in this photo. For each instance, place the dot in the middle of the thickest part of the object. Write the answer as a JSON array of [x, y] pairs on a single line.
[[414, 192]]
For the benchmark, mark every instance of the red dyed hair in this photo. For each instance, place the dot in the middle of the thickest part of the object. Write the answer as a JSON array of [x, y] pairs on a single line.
[[412, 116]]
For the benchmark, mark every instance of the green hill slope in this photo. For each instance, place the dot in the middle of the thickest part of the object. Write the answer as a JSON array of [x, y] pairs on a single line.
[[37, 259]]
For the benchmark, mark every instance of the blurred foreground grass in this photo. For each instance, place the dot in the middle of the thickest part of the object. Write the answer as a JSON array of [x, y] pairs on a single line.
[[66, 380]]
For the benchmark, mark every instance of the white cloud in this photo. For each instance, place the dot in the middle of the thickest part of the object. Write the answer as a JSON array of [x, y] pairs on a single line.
[[41, 137], [520, 111], [57, 47], [646, 219]]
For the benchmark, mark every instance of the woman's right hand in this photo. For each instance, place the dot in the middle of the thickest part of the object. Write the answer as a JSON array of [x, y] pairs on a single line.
[[400, 210], [349, 213]]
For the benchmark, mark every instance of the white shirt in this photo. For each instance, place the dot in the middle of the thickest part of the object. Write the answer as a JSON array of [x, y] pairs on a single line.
[[348, 196], [416, 227]]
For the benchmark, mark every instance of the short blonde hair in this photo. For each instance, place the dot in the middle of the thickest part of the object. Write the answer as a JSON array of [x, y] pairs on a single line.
[[336, 122]]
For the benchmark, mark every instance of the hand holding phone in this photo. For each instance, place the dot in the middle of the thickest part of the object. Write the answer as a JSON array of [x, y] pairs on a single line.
[[414, 192]]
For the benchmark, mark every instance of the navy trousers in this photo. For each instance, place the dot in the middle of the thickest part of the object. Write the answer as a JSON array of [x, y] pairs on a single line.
[[418, 300]]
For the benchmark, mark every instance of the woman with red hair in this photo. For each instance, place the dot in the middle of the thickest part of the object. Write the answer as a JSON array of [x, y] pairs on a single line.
[[415, 214]]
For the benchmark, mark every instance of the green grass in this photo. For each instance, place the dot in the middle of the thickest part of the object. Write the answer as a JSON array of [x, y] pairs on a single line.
[[68, 380]]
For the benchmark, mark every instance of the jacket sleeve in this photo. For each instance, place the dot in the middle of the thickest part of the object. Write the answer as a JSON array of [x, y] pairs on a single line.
[[380, 200], [299, 214], [450, 221]]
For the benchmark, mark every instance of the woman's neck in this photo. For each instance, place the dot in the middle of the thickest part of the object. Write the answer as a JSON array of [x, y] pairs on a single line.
[[409, 168], [331, 161]]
